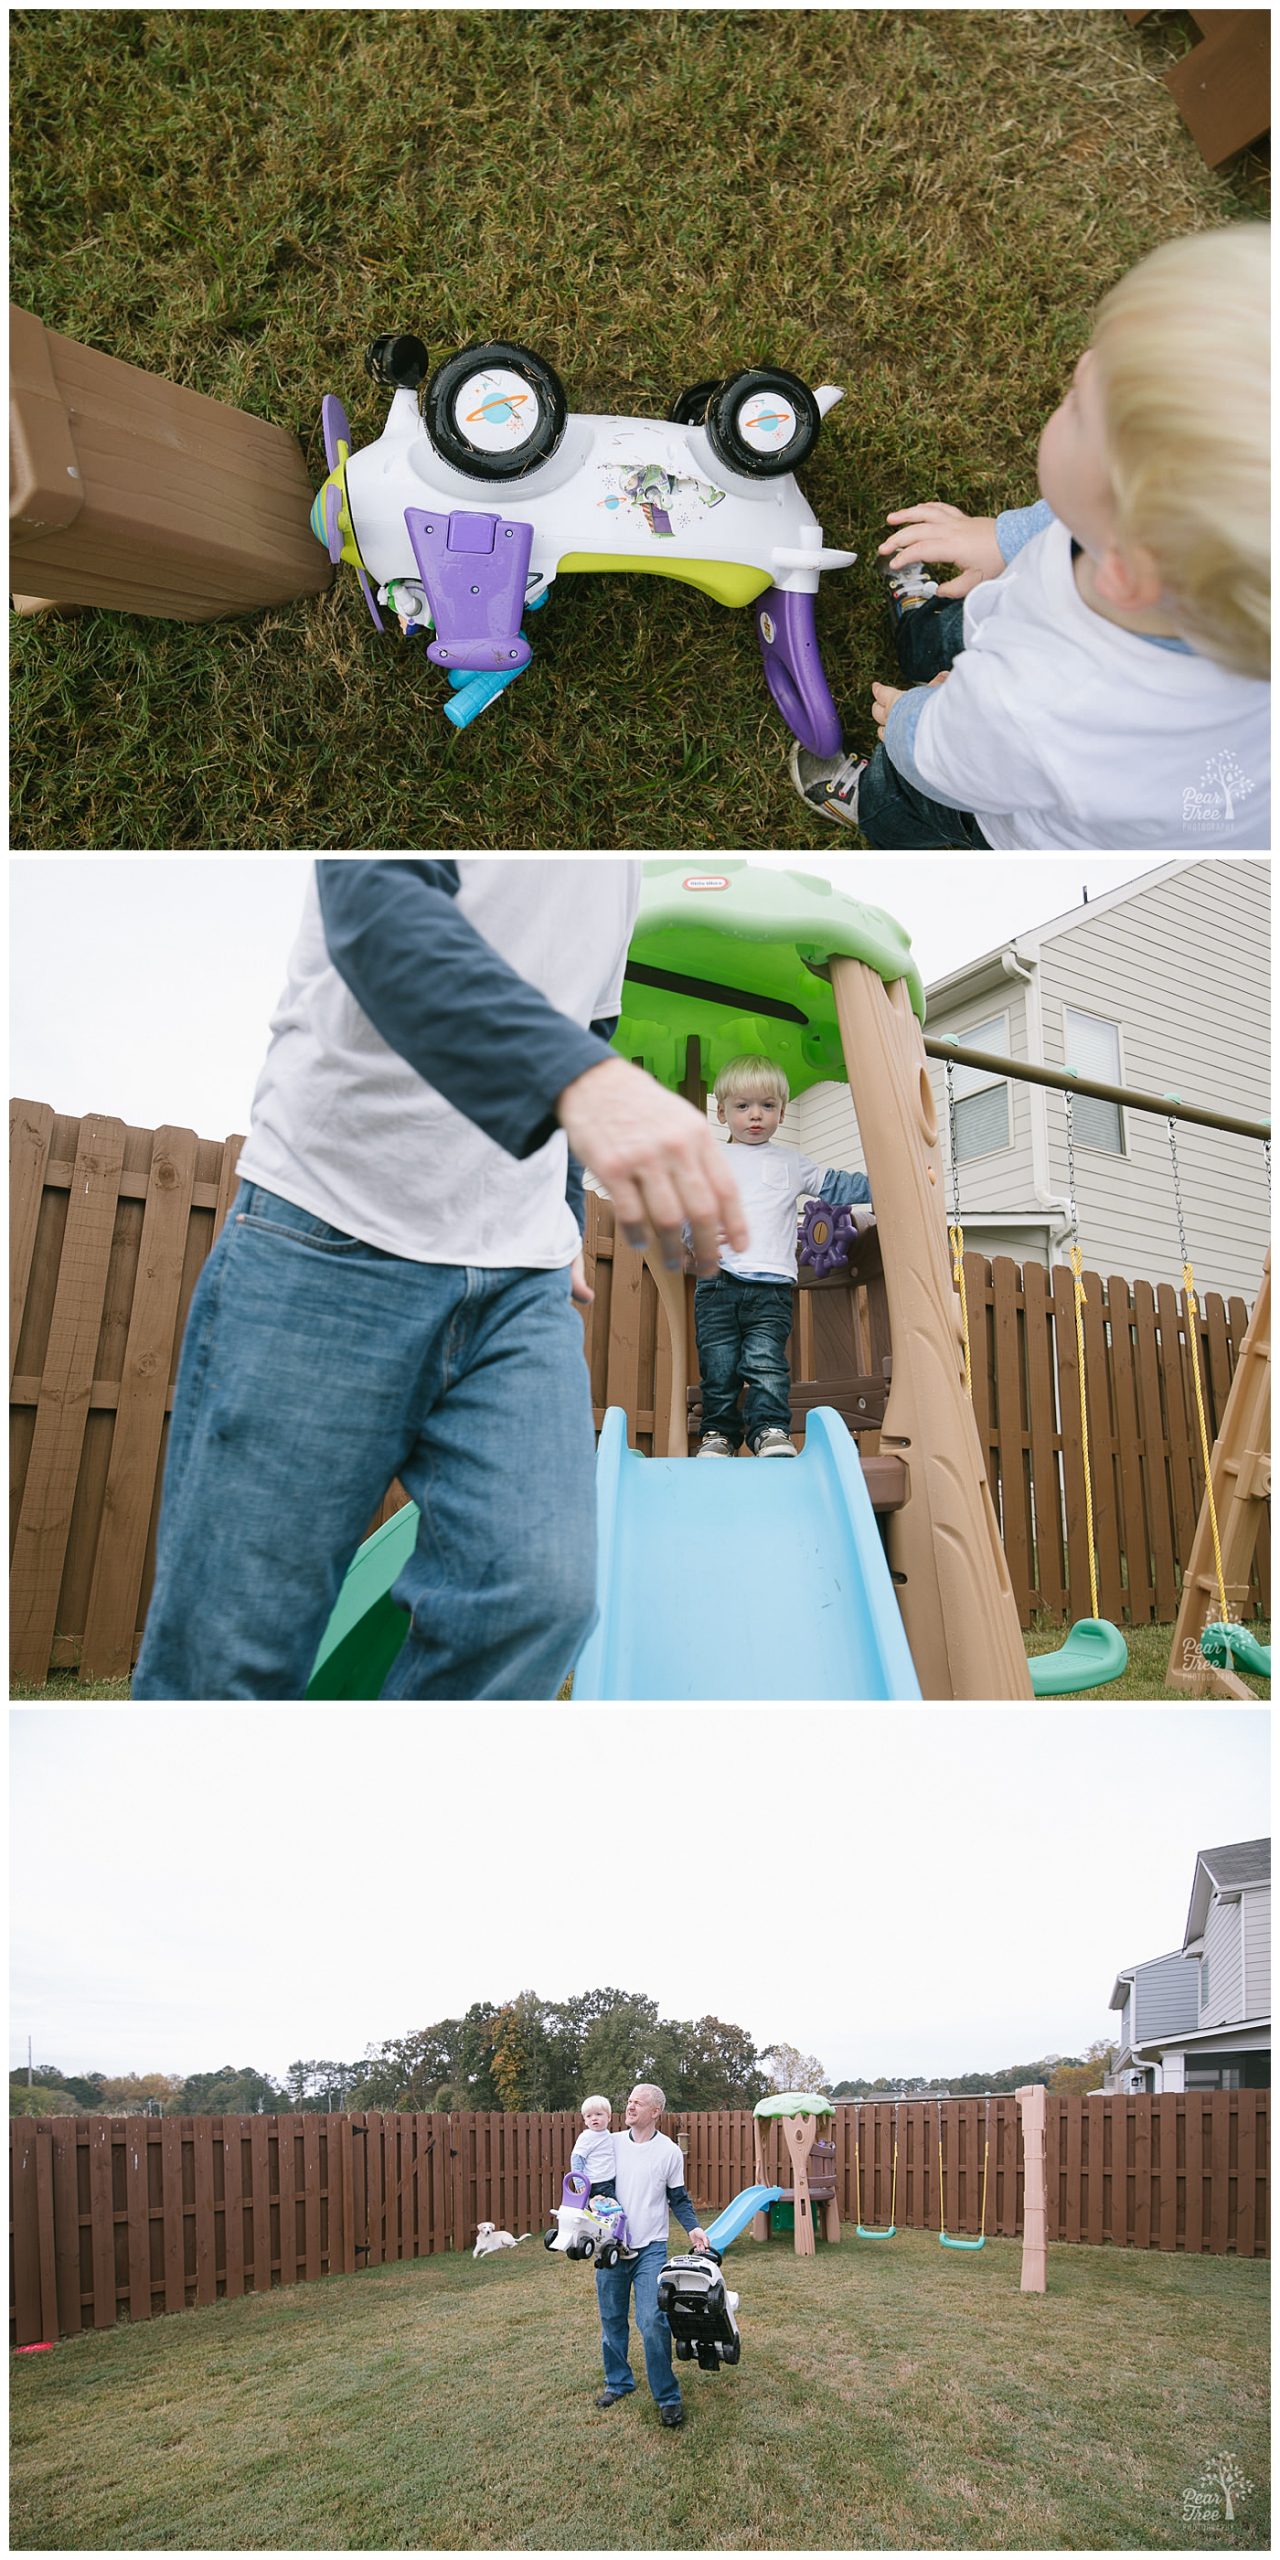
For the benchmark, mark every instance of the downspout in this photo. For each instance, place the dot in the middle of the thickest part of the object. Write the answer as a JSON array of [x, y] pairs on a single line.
[[1037, 1095]]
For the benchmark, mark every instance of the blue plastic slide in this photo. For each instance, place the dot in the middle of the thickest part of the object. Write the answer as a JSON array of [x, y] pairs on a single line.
[[716, 1578], [741, 1578], [731, 2224]]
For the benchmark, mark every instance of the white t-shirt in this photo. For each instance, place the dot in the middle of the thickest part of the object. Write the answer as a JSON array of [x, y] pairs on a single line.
[[343, 1126], [642, 2174], [771, 1179], [593, 2155], [1061, 732]]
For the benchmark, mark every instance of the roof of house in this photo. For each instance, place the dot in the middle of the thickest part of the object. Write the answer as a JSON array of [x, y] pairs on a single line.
[[1225, 1870]]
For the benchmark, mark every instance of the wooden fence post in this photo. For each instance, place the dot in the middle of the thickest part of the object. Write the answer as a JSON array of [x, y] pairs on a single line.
[[133, 493]]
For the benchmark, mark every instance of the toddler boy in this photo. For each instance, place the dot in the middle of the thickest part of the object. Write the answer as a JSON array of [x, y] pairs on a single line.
[[1105, 681], [742, 1318]]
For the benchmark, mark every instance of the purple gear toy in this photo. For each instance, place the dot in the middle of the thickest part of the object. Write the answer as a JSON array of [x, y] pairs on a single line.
[[825, 1237]]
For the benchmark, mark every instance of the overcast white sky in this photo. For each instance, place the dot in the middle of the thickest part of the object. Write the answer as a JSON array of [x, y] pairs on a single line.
[[168, 966], [939, 1890]]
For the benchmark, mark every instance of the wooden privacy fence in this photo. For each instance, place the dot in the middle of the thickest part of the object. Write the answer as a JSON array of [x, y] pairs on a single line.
[[1144, 1446], [122, 2218], [109, 1226]]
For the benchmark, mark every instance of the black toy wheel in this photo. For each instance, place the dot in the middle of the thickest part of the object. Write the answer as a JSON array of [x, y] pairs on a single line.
[[691, 407], [763, 424], [494, 411], [730, 2354], [399, 361], [684, 2351]]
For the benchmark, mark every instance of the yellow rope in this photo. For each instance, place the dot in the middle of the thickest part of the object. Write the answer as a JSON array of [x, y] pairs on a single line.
[[1077, 1265], [986, 2153], [1193, 1344], [956, 1236]]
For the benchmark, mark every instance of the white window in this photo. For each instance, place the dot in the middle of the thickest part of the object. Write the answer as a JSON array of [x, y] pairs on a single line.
[[982, 1123], [1093, 1049]]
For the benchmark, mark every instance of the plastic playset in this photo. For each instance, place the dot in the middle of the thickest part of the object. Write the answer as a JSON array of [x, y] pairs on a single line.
[[483, 487], [889, 1555]]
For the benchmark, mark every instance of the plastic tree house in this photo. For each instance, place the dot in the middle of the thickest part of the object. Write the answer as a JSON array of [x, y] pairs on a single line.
[[813, 2165], [781, 962]]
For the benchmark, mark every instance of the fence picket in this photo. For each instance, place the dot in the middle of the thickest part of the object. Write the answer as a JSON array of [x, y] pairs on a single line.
[[113, 1613], [62, 1412]]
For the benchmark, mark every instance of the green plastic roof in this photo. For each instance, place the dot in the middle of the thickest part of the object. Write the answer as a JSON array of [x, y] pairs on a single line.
[[728, 955], [794, 2102]]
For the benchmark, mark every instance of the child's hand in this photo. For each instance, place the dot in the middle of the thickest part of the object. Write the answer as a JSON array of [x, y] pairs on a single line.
[[884, 696], [937, 532]]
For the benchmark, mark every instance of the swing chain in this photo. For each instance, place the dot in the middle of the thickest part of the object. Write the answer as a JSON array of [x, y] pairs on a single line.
[[951, 1130], [1071, 1172], [1177, 1191]]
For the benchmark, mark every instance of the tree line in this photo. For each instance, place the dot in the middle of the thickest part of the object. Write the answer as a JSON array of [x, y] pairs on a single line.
[[521, 2055], [524, 2055]]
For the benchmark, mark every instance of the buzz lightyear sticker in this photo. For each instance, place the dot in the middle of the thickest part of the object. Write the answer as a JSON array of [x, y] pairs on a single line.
[[666, 502]]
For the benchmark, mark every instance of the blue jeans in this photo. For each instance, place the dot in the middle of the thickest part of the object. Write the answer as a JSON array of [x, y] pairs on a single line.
[[314, 1369], [613, 2293], [742, 1329], [891, 810]]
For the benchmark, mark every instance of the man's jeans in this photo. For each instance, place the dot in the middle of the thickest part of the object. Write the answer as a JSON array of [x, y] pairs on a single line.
[[316, 1368], [742, 1329], [891, 810], [613, 2293]]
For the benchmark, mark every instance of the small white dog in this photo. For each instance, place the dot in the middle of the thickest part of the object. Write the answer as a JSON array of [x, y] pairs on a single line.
[[489, 2239]]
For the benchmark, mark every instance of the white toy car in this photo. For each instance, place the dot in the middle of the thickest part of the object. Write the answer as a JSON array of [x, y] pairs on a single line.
[[483, 487], [587, 2230]]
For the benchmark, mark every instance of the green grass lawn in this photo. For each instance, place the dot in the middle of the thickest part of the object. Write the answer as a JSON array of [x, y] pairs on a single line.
[[924, 205], [887, 2398], [1148, 1663]]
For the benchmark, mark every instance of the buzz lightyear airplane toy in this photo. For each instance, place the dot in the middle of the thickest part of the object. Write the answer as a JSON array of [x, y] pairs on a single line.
[[483, 488]]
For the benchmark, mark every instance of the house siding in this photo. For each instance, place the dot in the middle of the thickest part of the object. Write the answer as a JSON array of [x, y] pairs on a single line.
[[1150, 964], [1182, 966], [1167, 1998], [1257, 1941], [1222, 1947]]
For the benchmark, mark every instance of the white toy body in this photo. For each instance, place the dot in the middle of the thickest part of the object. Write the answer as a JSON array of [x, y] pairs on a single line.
[[483, 488], [606, 492]]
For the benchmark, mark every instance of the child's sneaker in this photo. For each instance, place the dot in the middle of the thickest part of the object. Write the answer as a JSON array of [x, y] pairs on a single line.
[[907, 588], [714, 1444], [774, 1443], [829, 783]]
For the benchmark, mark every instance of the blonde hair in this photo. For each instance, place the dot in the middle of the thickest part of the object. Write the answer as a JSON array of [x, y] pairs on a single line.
[[1182, 346], [751, 1078], [606, 2103]]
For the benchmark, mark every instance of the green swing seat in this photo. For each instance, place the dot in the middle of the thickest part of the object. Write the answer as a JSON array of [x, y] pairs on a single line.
[[946, 2242], [863, 2234], [1234, 1647], [1094, 1652]]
